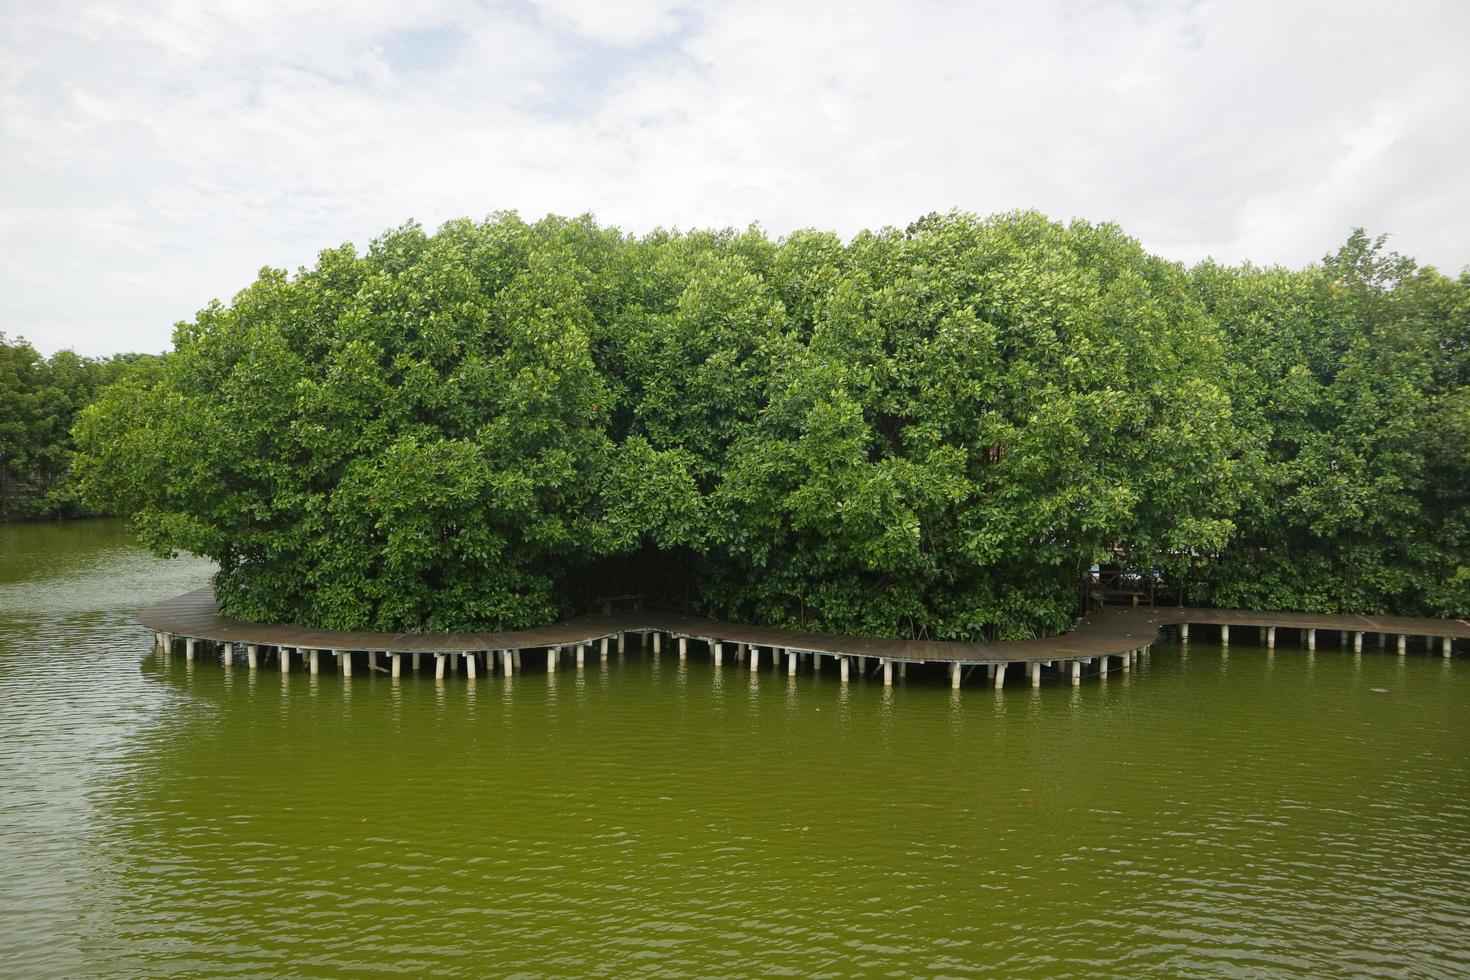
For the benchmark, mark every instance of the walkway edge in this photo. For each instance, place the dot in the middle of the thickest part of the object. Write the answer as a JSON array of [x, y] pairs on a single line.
[[1109, 632]]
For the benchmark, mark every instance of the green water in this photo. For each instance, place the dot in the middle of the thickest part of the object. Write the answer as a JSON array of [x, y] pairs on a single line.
[[1204, 815]]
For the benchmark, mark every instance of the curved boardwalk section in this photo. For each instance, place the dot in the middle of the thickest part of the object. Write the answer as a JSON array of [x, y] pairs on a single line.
[[1120, 633]]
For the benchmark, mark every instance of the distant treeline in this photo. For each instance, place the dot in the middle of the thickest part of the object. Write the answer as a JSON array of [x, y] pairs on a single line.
[[931, 431], [39, 400]]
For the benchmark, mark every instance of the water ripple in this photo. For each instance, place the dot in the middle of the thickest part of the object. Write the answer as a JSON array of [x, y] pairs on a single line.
[[169, 819]]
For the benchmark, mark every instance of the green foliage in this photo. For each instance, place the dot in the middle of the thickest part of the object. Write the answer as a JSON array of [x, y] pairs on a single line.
[[39, 400], [1350, 380], [927, 432], [975, 412]]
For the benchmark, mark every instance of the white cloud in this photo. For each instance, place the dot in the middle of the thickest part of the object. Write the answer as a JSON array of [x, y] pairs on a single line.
[[623, 22], [153, 156]]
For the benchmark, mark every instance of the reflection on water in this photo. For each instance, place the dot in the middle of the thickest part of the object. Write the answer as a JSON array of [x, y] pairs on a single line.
[[1203, 815]]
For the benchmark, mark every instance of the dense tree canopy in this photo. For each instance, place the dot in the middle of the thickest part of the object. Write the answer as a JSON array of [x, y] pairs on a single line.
[[931, 431], [1350, 382], [39, 400]]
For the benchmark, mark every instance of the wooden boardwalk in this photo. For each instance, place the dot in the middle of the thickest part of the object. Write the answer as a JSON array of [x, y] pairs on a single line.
[[1116, 632]]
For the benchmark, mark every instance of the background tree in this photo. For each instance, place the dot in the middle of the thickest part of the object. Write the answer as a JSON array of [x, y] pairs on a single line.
[[39, 400]]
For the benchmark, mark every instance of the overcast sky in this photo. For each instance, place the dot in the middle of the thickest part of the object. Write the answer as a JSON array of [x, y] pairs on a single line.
[[154, 156]]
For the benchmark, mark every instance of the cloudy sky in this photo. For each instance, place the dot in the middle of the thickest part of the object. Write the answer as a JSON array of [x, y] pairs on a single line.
[[154, 156]]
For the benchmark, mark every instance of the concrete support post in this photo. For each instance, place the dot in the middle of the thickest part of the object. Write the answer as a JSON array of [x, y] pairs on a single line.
[[1311, 639], [845, 666], [314, 661], [1076, 673], [189, 648], [604, 650], [226, 651], [508, 658], [1000, 676], [622, 641], [345, 658], [1446, 647], [1127, 662], [1358, 642], [755, 659], [581, 655], [551, 654], [1270, 637], [903, 671], [1403, 645], [990, 672], [683, 648], [396, 664], [1225, 636], [1102, 666], [888, 673], [657, 643], [283, 655], [1184, 632], [791, 663], [719, 653], [1035, 673], [1342, 636], [469, 665], [439, 659], [252, 656]]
